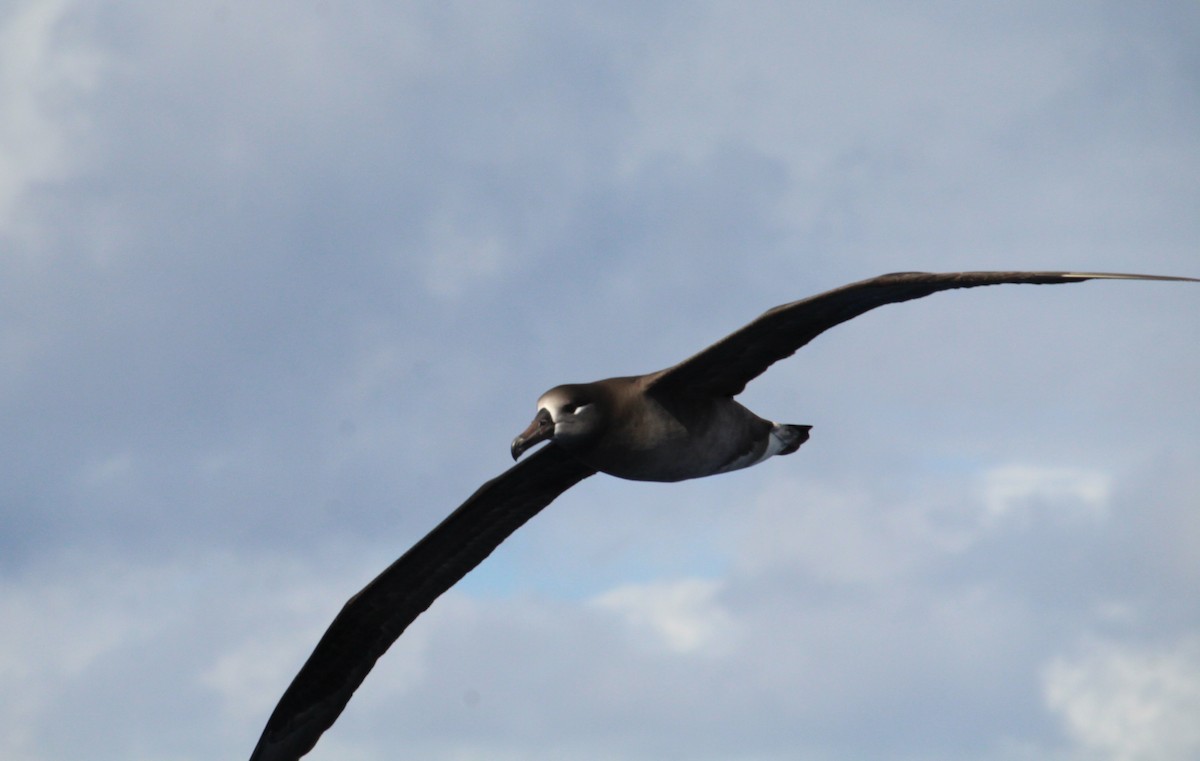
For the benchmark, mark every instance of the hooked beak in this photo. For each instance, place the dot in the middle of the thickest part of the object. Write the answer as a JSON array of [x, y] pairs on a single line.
[[540, 429]]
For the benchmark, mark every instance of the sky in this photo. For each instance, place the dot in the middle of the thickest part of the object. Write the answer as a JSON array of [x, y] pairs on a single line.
[[279, 282]]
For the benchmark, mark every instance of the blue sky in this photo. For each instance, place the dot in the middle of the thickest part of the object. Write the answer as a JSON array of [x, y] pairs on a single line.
[[280, 281]]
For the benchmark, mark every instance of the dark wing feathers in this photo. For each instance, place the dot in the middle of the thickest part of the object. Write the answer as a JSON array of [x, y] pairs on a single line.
[[375, 617], [727, 366]]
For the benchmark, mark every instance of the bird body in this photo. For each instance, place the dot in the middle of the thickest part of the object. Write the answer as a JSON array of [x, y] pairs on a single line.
[[621, 427], [679, 423]]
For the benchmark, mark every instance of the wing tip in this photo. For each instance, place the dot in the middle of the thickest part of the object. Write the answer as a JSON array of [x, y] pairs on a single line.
[[1126, 276]]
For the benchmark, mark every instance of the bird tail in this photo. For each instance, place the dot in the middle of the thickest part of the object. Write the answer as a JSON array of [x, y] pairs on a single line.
[[791, 436]]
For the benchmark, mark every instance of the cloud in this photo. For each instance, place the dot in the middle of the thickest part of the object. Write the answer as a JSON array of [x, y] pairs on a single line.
[[1012, 491], [44, 72], [1128, 702], [684, 615], [278, 283]]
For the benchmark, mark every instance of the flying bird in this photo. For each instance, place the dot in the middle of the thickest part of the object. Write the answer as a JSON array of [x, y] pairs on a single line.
[[679, 423]]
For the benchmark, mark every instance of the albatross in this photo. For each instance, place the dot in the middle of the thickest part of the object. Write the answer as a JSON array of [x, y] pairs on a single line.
[[674, 424]]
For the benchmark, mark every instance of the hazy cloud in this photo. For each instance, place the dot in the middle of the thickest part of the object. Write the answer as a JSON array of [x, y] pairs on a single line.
[[279, 282], [1128, 702]]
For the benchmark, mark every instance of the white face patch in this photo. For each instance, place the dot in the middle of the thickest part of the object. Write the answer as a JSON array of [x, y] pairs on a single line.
[[551, 401], [549, 407], [556, 402]]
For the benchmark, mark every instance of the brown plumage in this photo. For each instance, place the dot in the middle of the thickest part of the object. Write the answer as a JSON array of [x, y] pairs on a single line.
[[677, 423]]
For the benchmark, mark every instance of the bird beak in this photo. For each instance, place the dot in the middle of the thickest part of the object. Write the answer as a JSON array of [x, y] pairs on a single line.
[[540, 429]]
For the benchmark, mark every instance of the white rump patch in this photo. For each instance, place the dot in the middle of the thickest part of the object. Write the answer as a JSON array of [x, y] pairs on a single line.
[[775, 444]]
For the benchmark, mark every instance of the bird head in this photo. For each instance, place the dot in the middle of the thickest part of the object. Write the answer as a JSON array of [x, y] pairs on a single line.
[[569, 415]]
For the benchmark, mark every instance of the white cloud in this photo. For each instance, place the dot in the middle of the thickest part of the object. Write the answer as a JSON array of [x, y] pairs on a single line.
[[302, 272], [1018, 493], [42, 648], [846, 534], [1128, 702], [247, 675], [62, 622], [685, 616], [41, 77]]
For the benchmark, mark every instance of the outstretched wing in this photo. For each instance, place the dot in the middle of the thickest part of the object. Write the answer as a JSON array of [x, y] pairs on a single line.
[[726, 367], [375, 617]]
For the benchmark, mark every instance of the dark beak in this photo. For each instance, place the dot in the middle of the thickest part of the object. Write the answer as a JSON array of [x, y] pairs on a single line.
[[540, 429]]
